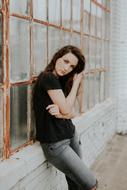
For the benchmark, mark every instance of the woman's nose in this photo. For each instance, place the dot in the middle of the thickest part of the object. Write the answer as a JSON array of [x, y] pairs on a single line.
[[66, 67]]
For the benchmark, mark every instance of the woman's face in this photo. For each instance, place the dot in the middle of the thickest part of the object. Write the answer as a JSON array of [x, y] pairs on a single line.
[[65, 64]]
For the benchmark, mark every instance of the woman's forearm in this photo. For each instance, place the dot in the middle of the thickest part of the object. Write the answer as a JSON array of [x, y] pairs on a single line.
[[70, 99]]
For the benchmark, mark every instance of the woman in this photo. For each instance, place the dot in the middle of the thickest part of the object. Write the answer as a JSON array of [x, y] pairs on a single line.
[[54, 97]]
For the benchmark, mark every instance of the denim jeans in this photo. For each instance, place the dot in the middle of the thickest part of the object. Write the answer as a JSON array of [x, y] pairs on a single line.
[[65, 155]]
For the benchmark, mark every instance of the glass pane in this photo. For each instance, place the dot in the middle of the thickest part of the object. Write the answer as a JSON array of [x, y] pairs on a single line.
[[54, 11], [54, 41], [18, 115], [106, 85], [32, 134], [102, 87], [103, 24], [86, 16], [92, 53], [76, 15], [97, 88], [99, 21], [20, 7], [39, 9], [0, 3], [93, 19], [0, 48], [19, 49], [108, 4], [86, 93], [66, 38], [106, 54], [98, 54], [39, 48], [86, 51], [66, 13], [107, 27], [75, 40], [1, 122], [91, 90]]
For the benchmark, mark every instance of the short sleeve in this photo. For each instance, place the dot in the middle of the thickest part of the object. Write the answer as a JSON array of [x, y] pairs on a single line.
[[50, 81]]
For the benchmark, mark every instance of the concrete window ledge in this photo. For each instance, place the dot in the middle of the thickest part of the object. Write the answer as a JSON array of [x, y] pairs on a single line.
[[19, 165]]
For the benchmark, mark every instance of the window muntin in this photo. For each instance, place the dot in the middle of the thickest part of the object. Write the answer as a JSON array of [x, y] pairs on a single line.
[[39, 48], [19, 50], [40, 9], [20, 7]]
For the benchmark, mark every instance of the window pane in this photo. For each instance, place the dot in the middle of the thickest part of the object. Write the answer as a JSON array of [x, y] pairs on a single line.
[[86, 51], [106, 85], [102, 87], [19, 49], [0, 48], [1, 122], [18, 115], [98, 54], [54, 41], [39, 9], [75, 39], [20, 7], [86, 16], [0, 3], [91, 90], [54, 11], [99, 21], [103, 24], [66, 13], [76, 14], [86, 93], [39, 48], [66, 38], [97, 88], [107, 24], [92, 53], [93, 19]]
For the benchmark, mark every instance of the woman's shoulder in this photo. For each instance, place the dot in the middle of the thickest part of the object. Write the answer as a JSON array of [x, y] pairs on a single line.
[[46, 75]]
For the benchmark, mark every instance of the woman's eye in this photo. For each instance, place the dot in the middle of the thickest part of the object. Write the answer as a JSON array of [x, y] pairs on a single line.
[[66, 61]]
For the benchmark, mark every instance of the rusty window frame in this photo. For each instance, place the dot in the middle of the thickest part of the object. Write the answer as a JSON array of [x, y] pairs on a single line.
[[5, 58]]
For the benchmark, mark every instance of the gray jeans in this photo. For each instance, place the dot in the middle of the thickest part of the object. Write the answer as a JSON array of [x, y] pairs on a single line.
[[66, 156]]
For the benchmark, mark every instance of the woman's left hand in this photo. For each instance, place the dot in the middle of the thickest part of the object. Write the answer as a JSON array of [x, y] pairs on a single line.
[[53, 109]]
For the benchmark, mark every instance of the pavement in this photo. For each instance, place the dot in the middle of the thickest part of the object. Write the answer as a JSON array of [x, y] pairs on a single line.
[[110, 167]]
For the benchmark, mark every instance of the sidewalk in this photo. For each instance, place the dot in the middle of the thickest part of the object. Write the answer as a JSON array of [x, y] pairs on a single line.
[[111, 166]]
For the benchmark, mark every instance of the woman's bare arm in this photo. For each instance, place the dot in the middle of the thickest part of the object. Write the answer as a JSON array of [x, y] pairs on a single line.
[[66, 104]]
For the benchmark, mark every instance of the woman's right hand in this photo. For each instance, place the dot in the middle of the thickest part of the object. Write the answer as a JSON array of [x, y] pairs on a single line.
[[78, 77]]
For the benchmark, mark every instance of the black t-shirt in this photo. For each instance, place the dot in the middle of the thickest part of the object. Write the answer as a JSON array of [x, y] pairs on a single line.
[[49, 128]]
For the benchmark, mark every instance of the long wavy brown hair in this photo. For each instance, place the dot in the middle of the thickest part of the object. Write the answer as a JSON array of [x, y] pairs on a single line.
[[67, 80]]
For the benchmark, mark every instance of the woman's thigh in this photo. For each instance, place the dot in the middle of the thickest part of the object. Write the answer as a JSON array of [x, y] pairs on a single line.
[[63, 157], [75, 144]]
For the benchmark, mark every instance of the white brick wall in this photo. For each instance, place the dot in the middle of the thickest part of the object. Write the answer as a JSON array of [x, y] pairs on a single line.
[[119, 62]]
